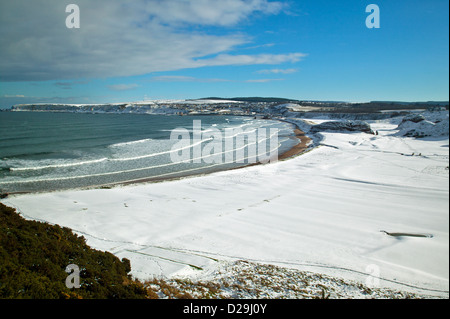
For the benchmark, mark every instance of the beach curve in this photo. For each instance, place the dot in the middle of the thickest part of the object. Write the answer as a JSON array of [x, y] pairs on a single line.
[[323, 224]]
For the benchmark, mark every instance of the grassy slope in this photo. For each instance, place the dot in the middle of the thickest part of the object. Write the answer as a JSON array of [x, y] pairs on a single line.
[[34, 256]]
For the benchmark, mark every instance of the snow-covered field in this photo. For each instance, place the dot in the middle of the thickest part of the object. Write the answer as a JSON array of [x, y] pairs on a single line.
[[326, 211]]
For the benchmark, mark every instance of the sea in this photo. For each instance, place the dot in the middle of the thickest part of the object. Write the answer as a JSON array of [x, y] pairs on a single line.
[[45, 151]]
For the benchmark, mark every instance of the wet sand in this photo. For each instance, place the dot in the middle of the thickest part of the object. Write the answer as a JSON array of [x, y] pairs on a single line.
[[301, 147], [296, 150]]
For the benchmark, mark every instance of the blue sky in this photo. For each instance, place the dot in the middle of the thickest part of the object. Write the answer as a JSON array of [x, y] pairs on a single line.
[[177, 49]]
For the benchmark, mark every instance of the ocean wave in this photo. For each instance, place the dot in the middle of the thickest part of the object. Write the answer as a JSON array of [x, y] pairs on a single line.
[[50, 166], [74, 164], [211, 127], [188, 161], [138, 157], [131, 142], [159, 153]]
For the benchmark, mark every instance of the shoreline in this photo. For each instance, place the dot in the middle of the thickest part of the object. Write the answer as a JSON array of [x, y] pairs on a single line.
[[296, 150]]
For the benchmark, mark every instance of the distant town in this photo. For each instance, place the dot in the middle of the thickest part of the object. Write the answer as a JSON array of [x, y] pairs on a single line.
[[256, 106]]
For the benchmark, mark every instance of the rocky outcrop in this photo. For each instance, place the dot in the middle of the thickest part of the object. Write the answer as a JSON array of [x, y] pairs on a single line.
[[342, 126], [428, 124], [415, 118]]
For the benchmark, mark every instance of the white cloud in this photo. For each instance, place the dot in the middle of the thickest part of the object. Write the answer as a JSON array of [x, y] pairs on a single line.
[[277, 71], [228, 59], [210, 12], [181, 78], [266, 45], [124, 37], [122, 87], [263, 80]]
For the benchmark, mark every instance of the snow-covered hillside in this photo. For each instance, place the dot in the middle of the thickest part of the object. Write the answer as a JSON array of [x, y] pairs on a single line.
[[427, 124]]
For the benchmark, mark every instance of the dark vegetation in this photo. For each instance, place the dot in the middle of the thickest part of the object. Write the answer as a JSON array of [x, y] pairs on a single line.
[[34, 256], [340, 106], [254, 99]]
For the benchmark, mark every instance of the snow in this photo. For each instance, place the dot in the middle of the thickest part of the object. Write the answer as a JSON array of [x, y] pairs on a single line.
[[426, 124], [324, 211]]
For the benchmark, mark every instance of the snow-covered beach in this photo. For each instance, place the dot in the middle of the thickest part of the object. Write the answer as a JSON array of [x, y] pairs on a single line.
[[328, 211]]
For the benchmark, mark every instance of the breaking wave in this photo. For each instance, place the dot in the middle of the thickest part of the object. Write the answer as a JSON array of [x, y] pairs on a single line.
[[76, 157]]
